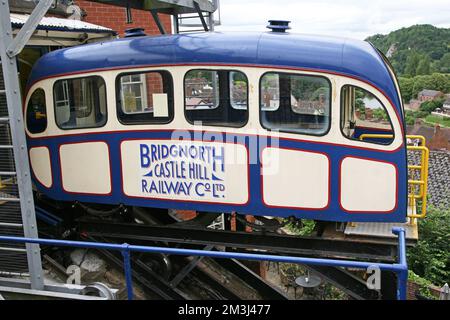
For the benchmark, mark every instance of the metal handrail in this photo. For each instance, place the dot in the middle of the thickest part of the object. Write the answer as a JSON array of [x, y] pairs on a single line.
[[422, 182], [400, 268]]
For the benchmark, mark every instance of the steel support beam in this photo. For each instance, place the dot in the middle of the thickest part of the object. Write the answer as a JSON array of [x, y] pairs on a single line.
[[25, 33], [200, 15], [317, 247], [160, 26], [8, 49]]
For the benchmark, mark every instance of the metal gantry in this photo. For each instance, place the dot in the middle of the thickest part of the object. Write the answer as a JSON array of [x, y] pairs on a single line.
[[9, 48], [16, 196]]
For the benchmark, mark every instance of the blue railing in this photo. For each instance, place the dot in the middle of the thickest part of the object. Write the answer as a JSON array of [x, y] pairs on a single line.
[[400, 268]]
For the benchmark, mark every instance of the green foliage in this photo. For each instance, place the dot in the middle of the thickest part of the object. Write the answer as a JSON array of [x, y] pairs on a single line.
[[430, 106], [423, 67], [424, 285], [380, 114], [430, 258], [442, 121], [412, 63], [410, 120], [410, 87], [443, 65], [304, 228], [406, 87], [419, 49], [333, 293]]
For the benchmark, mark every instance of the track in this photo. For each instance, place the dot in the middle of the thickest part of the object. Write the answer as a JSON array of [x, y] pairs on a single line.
[[169, 278], [184, 278], [281, 244]]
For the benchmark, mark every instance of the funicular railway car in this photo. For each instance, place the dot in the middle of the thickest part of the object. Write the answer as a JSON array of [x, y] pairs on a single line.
[[267, 124]]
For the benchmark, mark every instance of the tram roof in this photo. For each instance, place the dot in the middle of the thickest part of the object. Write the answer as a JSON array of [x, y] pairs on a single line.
[[354, 58]]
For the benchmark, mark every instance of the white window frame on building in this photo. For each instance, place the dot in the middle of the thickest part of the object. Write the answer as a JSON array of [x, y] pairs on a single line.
[[129, 84]]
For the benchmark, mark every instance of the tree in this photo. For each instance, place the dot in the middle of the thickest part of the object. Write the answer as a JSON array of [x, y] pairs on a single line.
[[430, 106], [412, 62], [406, 87], [424, 40], [443, 64], [430, 258], [410, 87], [424, 66]]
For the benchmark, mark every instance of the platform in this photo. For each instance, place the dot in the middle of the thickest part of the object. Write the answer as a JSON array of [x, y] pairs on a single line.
[[380, 229]]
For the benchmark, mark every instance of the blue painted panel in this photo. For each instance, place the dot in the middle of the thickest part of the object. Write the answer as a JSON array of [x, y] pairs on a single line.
[[255, 205], [352, 58]]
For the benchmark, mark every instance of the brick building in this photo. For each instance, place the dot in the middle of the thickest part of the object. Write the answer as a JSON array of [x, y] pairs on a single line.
[[427, 95], [114, 17]]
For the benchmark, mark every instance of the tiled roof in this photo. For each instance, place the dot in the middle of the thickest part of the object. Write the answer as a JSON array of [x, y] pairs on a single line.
[[438, 177], [429, 93]]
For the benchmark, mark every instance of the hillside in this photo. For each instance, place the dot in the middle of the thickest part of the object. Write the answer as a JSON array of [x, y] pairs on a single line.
[[416, 50]]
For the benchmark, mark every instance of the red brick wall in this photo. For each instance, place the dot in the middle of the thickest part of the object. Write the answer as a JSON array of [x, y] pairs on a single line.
[[154, 85], [114, 17], [413, 287]]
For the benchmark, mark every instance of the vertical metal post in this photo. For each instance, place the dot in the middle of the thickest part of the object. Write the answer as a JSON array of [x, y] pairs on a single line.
[[402, 283], [127, 270], [402, 274], [211, 21], [8, 49], [176, 24]]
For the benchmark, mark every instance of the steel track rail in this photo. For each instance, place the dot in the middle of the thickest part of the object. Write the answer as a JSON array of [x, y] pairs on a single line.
[[279, 244]]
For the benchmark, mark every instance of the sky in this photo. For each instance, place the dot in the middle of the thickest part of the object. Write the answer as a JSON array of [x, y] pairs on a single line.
[[347, 18]]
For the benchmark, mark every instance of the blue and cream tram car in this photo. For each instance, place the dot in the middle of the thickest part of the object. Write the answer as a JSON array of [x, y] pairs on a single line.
[[265, 124]]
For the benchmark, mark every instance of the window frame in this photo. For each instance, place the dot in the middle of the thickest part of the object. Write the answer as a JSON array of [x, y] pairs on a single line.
[[143, 89], [170, 98], [230, 89], [28, 107], [229, 98], [379, 101], [76, 78], [303, 75]]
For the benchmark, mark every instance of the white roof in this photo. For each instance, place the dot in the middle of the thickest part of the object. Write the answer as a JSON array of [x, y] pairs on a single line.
[[51, 23]]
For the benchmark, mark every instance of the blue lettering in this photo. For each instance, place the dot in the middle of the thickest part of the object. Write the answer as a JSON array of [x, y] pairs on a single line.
[[153, 187], [145, 160], [197, 190], [218, 158], [144, 185]]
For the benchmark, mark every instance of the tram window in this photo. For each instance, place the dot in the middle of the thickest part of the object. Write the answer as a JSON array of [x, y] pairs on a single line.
[[80, 102], [295, 103], [36, 116], [145, 97], [362, 115], [216, 97]]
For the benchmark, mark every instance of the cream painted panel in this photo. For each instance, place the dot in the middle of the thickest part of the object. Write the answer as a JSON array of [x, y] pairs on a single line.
[[85, 167], [368, 185], [253, 126], [293, 178], [41, 166], [185, 170]]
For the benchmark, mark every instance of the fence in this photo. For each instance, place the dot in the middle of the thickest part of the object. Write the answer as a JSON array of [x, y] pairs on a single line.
[[400, 268]]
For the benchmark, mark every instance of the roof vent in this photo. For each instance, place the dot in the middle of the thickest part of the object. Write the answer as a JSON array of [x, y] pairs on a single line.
[[134, 32], [278, 25]]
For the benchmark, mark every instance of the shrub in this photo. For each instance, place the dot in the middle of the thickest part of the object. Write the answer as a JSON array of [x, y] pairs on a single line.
[[430, 258]]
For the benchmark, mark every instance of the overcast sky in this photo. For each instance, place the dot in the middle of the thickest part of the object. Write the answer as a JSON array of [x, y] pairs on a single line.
[[348, 18]]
